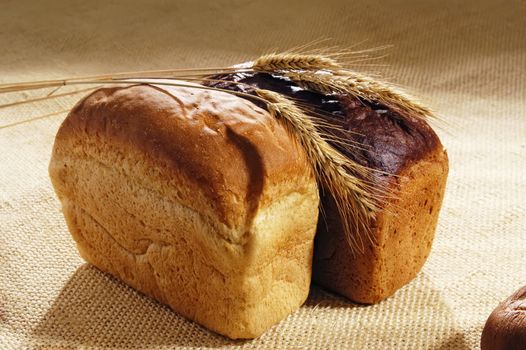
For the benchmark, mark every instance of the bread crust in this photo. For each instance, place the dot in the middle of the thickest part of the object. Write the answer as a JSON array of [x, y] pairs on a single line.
[[196, 198], [402, 236], [222, 147]]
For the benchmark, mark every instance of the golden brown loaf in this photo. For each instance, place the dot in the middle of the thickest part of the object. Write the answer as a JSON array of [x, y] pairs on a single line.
[[196, 198], [412, 166]]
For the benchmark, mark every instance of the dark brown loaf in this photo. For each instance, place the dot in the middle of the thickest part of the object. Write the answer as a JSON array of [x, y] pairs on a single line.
[[396, 143], [505, 328]]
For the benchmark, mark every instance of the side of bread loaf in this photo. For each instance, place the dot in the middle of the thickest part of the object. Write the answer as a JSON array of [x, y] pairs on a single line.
[[195, 198], [407, 160], [402, 236]]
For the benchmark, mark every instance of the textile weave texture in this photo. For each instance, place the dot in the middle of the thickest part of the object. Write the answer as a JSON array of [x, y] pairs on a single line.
[[465, 59]]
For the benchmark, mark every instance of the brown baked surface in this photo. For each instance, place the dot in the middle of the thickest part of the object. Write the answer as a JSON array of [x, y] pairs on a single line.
[[196, 198], [396, 143], [403, 234], [505, 328]]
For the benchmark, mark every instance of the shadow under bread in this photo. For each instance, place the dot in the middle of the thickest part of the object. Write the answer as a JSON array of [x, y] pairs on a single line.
[[95, 309]]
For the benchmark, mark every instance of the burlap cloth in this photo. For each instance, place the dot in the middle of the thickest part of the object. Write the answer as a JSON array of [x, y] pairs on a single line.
[[466, 59]]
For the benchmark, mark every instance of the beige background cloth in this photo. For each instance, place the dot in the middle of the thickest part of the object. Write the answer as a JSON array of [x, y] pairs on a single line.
[[466, 59]]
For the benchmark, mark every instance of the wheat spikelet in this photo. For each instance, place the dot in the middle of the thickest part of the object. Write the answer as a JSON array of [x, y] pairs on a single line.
[[348, 82], [324, 83], [291, 61], [339, 175], [384, 93]]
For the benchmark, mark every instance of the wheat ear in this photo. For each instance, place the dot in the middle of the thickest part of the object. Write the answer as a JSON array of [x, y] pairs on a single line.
[[276, 62], [348, 82], [337, 174]]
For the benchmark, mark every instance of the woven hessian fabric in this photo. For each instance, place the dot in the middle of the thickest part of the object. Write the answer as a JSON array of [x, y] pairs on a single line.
[[466, 59]]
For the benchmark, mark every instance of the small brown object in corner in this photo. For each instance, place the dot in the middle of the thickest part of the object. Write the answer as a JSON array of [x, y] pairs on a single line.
[[505, 328]]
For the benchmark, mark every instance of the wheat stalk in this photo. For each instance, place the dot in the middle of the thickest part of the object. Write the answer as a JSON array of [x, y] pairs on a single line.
[[46, 97], [339, 175], [302, 68], [325, 75], [336, 173], [183, 73], [357, 199]]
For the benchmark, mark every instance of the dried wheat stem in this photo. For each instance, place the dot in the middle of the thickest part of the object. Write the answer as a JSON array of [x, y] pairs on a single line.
[[47, 97], [356, 198], [158, 74], [33, 119]]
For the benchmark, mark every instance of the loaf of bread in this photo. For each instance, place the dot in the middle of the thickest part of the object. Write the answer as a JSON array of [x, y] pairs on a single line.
[[408, 161], [505, 328], [196, 198]]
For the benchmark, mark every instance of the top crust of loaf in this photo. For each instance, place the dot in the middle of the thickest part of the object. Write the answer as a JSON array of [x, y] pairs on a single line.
[[231, 155], [392, 140]]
